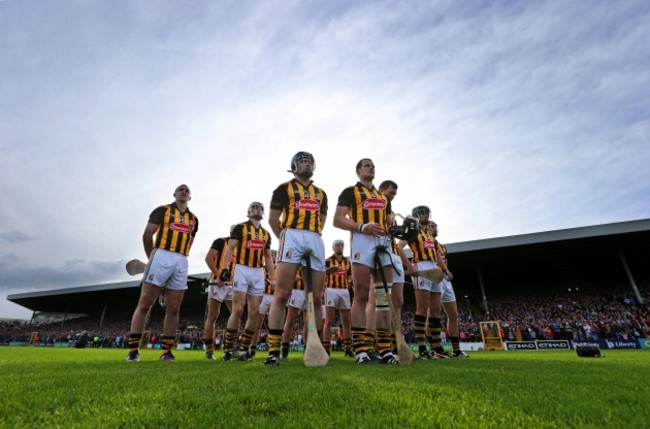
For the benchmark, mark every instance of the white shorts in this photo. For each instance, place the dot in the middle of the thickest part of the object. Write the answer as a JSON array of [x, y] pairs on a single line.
[[448, 294], [364, 248], [219, 293], [166, 270], [398, 276], [298, 300], [422, 283], [266, 304], [248, 280], [337, 298], [295, 243]]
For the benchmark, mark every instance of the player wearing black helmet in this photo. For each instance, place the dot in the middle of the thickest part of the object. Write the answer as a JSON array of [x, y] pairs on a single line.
[[297, 214], [305, 173]]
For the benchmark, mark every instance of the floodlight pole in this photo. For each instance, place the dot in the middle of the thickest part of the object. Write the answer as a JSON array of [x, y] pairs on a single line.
[[101, 321], [480, 282], [65, 315], [630, 278]]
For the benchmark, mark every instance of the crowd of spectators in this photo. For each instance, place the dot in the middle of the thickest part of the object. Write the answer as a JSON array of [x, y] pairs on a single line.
[[577, 312]]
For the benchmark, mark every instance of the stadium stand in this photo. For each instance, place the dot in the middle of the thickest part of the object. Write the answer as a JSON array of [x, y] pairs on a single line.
[[579, 283]]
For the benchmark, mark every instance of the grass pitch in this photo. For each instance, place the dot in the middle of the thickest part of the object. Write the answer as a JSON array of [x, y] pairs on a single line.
[[58, 387]]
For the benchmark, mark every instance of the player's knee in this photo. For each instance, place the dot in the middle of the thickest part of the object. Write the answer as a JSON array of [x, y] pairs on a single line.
[[361, 299], [172, 310], [237, 310], [282, 295], [143, 308]]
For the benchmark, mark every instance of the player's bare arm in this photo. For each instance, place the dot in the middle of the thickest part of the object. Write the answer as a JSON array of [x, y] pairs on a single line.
[[443, 266], [268, 263], [274, 221], [342, 221], [411, 269], [147, 238], [211, 261], [230, 250]]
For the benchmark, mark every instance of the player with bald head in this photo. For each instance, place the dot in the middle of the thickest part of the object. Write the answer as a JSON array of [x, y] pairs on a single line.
[[167, 239]]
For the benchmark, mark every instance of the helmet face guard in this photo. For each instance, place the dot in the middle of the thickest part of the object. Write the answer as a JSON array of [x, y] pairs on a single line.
[[253, 206], [408, 230], [296, 160]]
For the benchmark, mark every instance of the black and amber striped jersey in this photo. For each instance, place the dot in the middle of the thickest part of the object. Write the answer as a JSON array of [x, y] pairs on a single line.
[[301, 206], [365, 205], [252, 242], [176, 229], [220, 246], [423, 247], [442, 251], [268, 288], [339, 279], [393, 241], [299, 284]]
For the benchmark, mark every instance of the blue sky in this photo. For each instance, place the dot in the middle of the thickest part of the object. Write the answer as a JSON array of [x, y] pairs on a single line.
[[504, 117]]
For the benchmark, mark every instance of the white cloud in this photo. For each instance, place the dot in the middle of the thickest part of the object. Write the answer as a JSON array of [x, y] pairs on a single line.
[[505, 118]]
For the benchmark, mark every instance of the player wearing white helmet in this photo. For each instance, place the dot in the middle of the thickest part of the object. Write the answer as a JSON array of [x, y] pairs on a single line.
[[251, 245]]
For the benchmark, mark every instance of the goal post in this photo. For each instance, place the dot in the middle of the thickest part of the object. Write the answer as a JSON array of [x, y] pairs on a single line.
[[491, 335]]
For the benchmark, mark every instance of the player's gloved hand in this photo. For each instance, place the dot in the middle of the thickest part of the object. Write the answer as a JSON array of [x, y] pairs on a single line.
[[225, 275]]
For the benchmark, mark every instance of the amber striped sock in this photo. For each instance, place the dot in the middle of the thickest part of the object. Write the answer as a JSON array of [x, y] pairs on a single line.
[[359, 340], [435, 327], [134, 342], [231, 338], [455, 344], [371, 335], [168, 343], [246, 339], [383, 341], [275, 338], [420, 330]]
